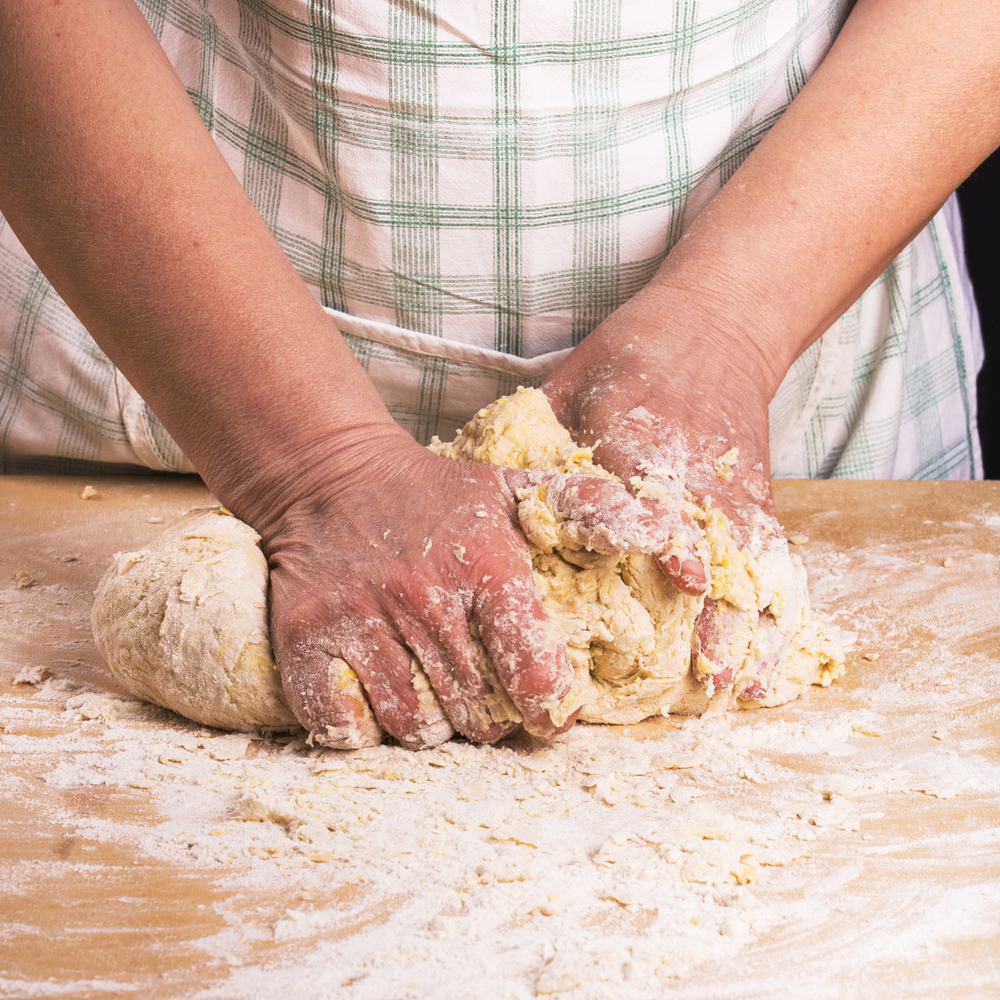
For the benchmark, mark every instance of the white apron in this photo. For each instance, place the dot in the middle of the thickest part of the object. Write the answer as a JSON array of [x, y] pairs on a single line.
[[470, 187]]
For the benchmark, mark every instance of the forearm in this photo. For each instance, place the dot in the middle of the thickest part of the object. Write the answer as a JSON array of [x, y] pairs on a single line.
[[115, 187], [903, 108]]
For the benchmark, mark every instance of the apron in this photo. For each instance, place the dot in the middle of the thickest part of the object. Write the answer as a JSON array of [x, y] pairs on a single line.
[[470, 187]]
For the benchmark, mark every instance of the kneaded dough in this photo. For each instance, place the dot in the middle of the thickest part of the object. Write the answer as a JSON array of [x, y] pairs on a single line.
[[628, 630], [184, 622]]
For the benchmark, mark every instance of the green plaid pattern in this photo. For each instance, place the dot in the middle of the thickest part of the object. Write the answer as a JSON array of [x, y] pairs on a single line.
[[889, 391], [471, 186]]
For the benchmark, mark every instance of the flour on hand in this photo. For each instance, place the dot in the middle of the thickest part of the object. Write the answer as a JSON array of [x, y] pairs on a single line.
[[630, 634]]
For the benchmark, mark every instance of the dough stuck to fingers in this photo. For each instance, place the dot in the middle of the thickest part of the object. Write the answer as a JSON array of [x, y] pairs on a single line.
[[184, 623], [630, 633]]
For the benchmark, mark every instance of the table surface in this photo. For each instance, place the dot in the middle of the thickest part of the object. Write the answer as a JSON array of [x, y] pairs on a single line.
[[127, 868]]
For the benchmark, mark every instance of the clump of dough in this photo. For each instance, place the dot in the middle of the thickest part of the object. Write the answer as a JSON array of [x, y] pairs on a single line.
[[521, 432], [183, 624], [628, 631]]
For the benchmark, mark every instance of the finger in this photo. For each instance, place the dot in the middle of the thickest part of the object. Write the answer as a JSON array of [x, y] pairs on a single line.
[[685, 560], [661, 489], [767, 652], [686, 572], [338, 686], [584, 512], [327, 698], [721, 641], [592, 513], [399, 690], [322, 690], [528, 654], [463, 677]]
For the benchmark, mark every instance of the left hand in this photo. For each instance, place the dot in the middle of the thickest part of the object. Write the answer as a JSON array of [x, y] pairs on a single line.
[[662, 406]]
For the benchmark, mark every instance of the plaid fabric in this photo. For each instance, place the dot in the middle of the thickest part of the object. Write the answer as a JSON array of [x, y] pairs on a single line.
[[470, 186], [889, 391]]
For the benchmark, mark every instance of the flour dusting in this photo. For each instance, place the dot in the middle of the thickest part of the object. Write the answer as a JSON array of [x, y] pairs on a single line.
[[788, 852]]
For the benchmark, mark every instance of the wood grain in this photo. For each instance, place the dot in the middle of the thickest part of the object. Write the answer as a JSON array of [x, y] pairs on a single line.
[[912, 568]]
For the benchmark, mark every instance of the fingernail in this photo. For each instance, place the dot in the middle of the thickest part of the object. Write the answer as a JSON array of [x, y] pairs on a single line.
[[687, 576]]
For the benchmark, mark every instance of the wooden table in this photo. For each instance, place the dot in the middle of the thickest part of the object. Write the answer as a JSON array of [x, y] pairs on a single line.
[[890, 783]]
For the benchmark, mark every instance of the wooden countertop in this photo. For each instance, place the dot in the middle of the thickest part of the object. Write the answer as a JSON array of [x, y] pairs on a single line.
[[117, 878]]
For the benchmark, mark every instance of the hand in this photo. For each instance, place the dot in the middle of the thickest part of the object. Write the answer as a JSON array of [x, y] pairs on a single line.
[[684, 418], [390, 584]]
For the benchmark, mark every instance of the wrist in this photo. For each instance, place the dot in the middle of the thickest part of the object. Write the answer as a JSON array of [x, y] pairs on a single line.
[[262, 489], [263, 417], [671, 347], [705, 329]]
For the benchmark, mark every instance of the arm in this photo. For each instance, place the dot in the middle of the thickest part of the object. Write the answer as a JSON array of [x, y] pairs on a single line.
[[904, 106], [118, 192], [380, 553]]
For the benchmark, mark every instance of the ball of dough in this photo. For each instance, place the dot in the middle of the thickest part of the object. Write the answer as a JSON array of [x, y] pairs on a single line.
[[183, 624]]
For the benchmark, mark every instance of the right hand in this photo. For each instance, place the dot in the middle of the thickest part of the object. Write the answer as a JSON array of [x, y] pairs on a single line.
[[378, 573], [661, 405]]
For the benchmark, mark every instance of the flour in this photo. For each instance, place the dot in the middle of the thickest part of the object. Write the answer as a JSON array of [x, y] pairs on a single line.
[[602, 863], [587, 866], [596, 862]]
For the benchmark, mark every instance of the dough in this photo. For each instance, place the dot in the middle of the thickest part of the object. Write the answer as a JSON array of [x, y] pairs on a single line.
[[628, 630], [184, 623]]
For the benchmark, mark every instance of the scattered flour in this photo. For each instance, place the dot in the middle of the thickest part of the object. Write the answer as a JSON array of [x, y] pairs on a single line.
[[591, 865], [783, 853]]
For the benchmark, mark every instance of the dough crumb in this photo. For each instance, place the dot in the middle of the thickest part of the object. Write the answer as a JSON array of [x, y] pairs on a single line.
[[798, 539], [865, 729], [947, 564], [88, 493], [22, 580], [725, 466], [31, 675]]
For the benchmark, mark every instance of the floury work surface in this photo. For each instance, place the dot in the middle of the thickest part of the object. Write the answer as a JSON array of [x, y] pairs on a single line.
[[850, 840]]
